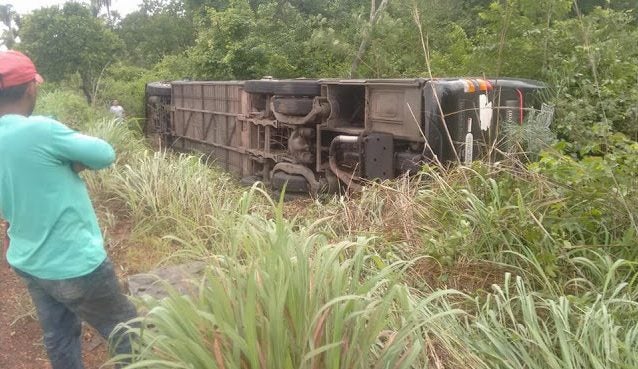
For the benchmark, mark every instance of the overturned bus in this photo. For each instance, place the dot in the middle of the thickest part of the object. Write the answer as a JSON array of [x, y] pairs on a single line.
[[322, 135]]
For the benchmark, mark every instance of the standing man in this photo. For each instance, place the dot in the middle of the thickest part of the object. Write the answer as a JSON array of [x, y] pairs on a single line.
[[55, 243], [117, 110]]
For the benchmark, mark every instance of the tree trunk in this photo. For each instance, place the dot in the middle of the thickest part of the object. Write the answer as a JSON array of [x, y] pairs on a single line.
[[86, 88]]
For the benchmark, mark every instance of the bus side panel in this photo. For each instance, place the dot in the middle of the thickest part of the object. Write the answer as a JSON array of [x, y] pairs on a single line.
[[206, 120]]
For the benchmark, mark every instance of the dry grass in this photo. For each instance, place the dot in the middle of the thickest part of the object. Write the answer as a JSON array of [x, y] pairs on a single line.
[[25, 310], [467, 276]]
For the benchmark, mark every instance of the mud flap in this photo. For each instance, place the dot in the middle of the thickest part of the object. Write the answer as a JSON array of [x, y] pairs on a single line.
[[378, 156]]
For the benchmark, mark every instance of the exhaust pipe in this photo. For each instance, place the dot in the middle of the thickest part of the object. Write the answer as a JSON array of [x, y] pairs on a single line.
[[343, 176]]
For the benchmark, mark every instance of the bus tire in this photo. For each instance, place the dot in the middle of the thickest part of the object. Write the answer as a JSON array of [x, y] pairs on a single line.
[[260, 86], [293, 183], [290, 87], [293, 106], [158, 89], [298, 87]]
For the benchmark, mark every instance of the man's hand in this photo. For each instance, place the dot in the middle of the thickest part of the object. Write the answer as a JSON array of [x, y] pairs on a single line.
[[77, 167], [4, 237]]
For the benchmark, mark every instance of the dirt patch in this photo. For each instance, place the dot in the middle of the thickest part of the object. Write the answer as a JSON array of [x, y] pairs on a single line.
[[20, 341], [20, 333]]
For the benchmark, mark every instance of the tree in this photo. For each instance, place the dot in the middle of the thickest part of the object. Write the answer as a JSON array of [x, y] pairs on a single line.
[[375, 13], [594, 64], [230, 46], [199, 5], [173, 7], [275, 39], [158, 29], [11, 21], [96, 6], [515, 36], [587, 6], [69, 40]]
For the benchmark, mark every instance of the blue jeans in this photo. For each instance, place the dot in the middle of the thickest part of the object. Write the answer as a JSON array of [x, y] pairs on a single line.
[[62, 305]]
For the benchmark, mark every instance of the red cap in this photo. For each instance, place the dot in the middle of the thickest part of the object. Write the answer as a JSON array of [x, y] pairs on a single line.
[[16, 69]]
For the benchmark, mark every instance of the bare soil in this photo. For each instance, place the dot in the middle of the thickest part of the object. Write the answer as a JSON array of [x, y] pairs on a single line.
[[20, 333]]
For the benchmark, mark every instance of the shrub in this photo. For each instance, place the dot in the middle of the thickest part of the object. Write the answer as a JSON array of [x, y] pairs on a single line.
[[66, 106]]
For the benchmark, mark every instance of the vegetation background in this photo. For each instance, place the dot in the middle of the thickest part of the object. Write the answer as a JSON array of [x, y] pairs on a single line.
[[512, 265]]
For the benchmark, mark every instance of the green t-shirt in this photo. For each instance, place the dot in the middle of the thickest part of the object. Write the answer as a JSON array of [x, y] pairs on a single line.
[[53, 229]]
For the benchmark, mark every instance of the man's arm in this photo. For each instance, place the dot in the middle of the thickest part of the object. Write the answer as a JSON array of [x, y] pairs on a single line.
[[80, 150]]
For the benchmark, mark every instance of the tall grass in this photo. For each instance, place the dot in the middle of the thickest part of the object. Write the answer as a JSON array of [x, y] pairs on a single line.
[[161, 193], [128, 143], [505, 214], [288, 299], [517, 328], [162, 189]]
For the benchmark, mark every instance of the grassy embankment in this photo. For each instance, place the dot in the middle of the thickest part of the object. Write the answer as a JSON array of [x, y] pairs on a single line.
[[508, 266]]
